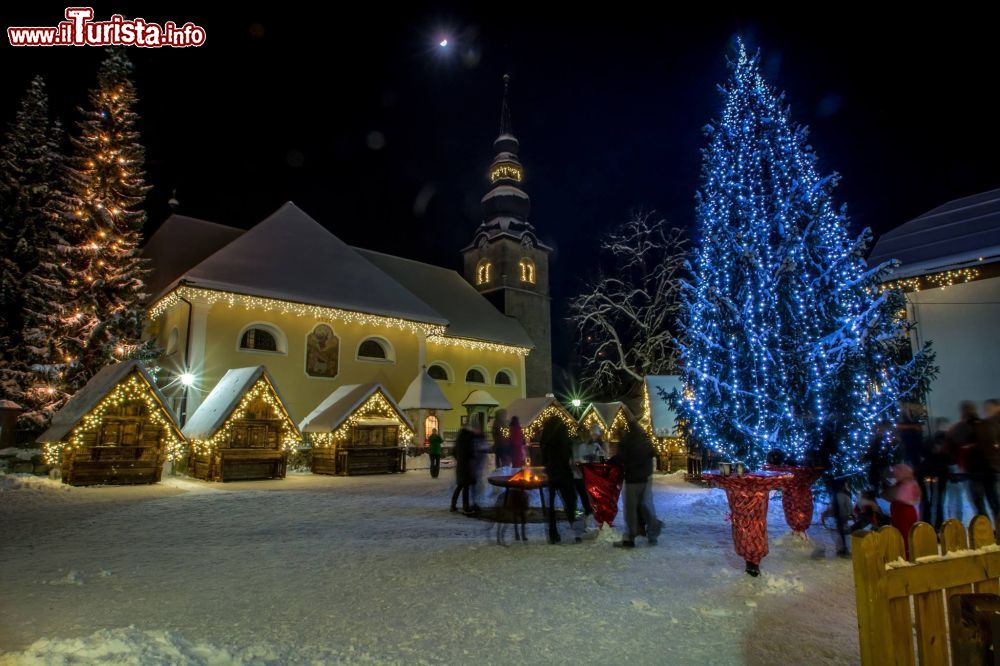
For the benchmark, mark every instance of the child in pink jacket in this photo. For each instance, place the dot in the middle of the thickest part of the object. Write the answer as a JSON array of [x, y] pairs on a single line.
[[904, 499]]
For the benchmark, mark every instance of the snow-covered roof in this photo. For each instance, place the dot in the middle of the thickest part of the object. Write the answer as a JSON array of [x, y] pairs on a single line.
[[954, 234], [528, 409], [424, 393], [480, 398], [606, 411], [99, 386], [342, 403], [468, 313], [224, 398], [663, 417], [291, 257], [181, 243]]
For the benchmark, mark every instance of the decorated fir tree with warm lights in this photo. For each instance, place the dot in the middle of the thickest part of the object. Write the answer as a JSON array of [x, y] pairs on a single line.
[[788, 340], [106, 188], [32, 285]]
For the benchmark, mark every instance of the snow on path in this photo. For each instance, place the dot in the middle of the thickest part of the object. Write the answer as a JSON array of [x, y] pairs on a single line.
[[376, 570]]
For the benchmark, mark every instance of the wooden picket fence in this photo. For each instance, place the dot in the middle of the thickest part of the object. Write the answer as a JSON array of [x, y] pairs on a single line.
[[903, 606]]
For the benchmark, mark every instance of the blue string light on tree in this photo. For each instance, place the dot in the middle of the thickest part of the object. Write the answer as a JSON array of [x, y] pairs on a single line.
[[786, 333]]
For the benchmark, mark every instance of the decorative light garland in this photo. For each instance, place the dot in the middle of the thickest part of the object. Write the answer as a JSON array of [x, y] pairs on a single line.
[[212, 296], [376, 406], [936, 280], [590, 419], [545, 415], [132, 389], [262, 390], [478, 345]]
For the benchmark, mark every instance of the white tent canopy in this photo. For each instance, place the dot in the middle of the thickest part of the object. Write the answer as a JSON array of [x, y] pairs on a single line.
[[424, 393]]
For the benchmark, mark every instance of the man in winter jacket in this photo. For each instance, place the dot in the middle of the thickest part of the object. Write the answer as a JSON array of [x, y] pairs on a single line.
[[557, 451], [635, 455], [465, 475]]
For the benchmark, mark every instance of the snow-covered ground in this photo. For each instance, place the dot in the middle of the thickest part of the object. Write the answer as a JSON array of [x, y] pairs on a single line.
[[377, 570]]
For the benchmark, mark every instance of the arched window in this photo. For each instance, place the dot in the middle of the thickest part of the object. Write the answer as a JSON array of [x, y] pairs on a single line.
[[527, 270], [484, 269], [261, 336], [504, 378], [430, 425], [475, 376], [438, 372], [375, 349]]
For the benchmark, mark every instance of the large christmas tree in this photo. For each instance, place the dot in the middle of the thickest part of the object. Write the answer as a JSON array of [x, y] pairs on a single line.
[[106, 188], [789, 342], [32, 286]]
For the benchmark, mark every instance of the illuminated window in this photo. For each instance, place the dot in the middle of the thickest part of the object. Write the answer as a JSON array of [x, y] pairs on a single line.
[[430, 425], [438, 372], [504, 378], [527, 271], [483, 270], [475, 376]]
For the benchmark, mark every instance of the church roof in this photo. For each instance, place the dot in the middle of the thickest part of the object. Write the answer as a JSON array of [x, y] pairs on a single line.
[[289, 256], [181, 243], [954, 234], [468, 313]]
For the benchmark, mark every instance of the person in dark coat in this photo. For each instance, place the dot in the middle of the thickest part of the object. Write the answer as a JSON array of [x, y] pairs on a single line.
[[976, 437], [635, 455], [557, 452], [934, 472], [465, 475], [434, 443]]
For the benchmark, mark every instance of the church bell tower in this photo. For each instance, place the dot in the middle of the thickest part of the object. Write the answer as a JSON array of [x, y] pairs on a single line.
[[506, 262]]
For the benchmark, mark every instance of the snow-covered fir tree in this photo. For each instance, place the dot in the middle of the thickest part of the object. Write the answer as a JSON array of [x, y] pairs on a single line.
[[30, 181], [787, 334], [106, 188], [625, 318]]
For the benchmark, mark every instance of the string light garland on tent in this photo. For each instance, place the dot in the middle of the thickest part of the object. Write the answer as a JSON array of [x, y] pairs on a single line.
[[590, 419], [375, 407], [132, 389], [477, 345], [212, 296], [261, 390], [662, 445]]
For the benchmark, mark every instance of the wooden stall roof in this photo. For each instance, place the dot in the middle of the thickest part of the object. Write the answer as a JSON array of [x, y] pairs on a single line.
[[339, 405], [528, 409], [94, 391], [662, 417], [606, 412], [424, 393], [213, 412]]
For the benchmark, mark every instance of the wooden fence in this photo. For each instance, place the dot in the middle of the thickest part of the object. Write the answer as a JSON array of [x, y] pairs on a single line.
[[903, 605]]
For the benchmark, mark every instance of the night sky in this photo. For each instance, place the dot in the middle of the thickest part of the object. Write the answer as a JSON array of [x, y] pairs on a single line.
[[379, 134]]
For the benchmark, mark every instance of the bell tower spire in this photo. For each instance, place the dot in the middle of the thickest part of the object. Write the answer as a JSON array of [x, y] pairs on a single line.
[[506, 262]]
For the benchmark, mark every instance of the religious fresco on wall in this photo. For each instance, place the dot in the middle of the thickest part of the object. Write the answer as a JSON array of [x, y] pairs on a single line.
[[322, 352]]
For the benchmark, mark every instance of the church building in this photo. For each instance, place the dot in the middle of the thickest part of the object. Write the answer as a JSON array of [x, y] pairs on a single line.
[[319, 314]]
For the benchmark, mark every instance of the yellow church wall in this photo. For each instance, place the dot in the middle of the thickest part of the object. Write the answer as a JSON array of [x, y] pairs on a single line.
[[458, 360], [302, 393]]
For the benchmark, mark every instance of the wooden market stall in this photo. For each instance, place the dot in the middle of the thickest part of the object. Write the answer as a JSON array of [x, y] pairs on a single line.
[[242, 430], [116, 430], [611, 417], [661, 423], [532, 413], [358, 429]]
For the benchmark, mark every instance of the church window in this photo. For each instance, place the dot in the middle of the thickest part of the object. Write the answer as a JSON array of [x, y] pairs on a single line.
[[475, 376], [438, 372], [483, 270], [504, 378], [262, 337], [527, 271]]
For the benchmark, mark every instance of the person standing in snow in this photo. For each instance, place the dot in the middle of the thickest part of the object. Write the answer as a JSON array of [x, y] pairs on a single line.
[[501, 440], [465, 475], [635, 455], [434, 443], [518, 447], [589, 451], [557, 450]]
